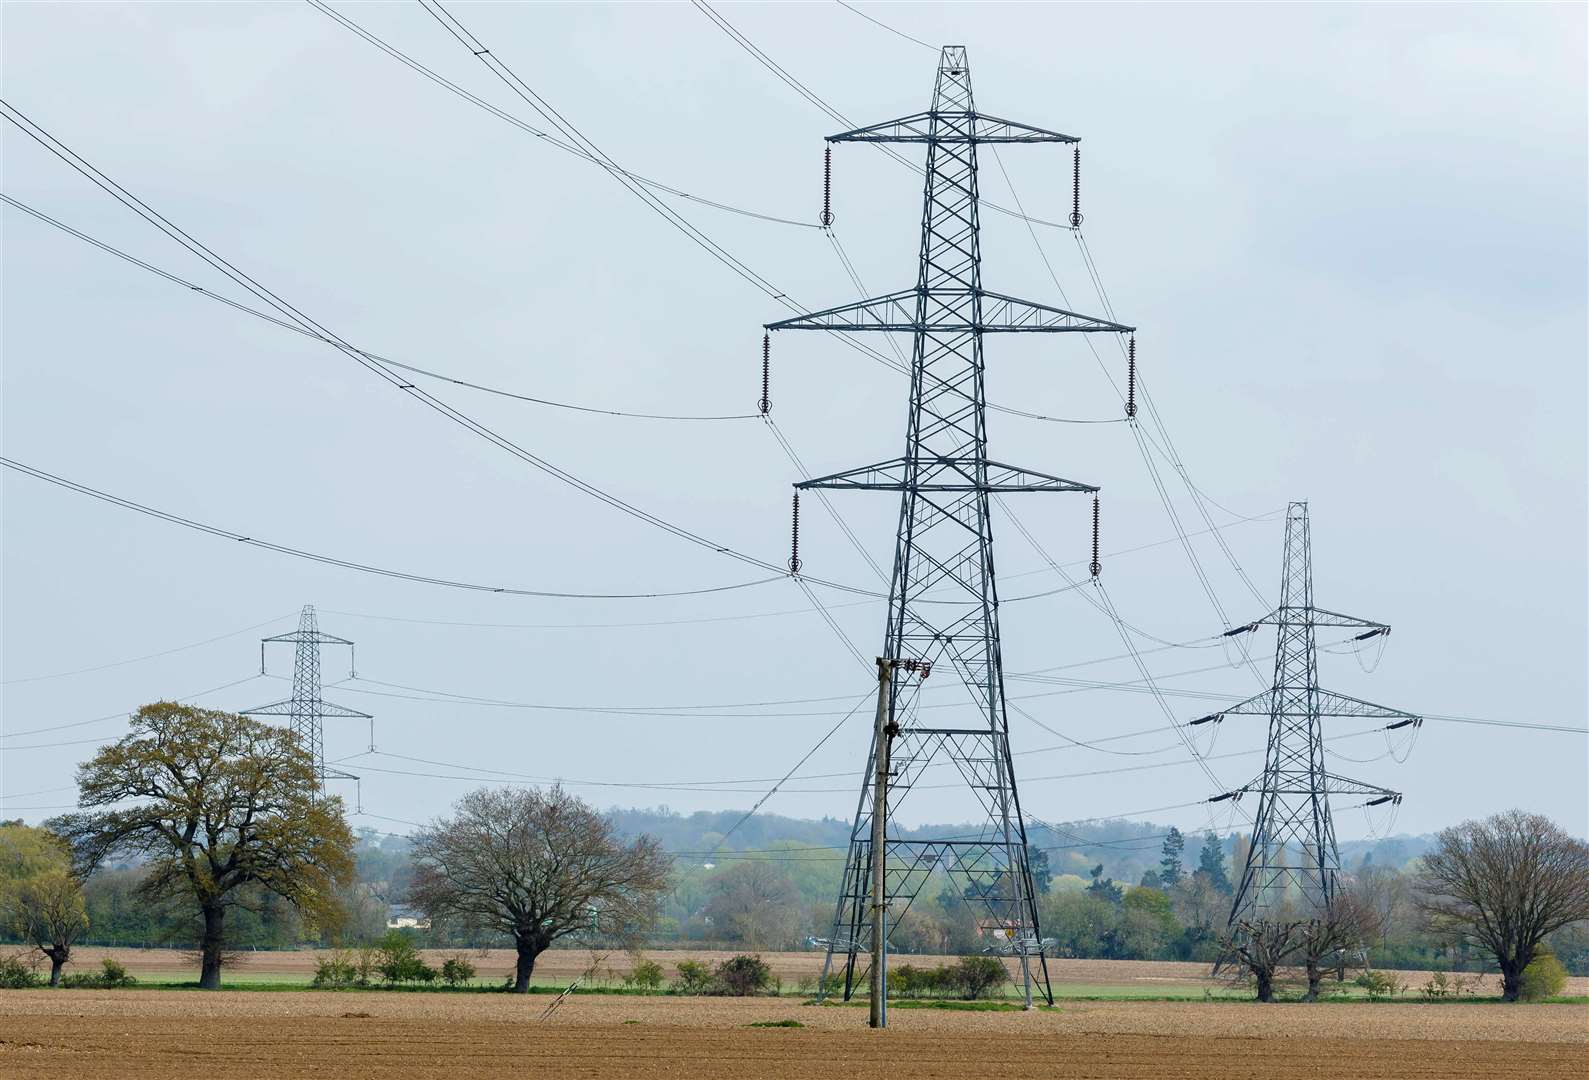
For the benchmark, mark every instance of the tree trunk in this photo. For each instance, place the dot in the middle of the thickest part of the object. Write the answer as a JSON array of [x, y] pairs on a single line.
[[1266, 985], [1511, 981], [57, 962], [210, 948], [1315, 976], [529, 949]]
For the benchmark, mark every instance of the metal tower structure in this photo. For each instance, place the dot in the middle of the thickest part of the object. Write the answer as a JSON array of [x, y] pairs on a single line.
[[306, 709], [1293, 863], [943, 604]]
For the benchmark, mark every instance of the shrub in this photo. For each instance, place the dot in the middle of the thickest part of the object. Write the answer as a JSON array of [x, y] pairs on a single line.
[[400, 962], [110, 976], [694, 978], [334, 972], [976, 975], [742, 976], [456, 971], [646, 975], [113, 974], [1544, 977], [17, 974], [1378, 984]]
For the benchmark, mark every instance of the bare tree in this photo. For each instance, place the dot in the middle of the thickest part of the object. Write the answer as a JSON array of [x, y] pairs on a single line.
[[755, 903], [1504, 883], [1383, 893], [1326, 942], [1261, 948], [215, 802], [537, 866]]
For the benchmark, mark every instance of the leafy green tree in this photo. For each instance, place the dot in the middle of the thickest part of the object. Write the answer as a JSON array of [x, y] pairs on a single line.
[[1170, 868], [1147, 925], [1104, 888], [1211, 862], [41, 902], [215, 804]]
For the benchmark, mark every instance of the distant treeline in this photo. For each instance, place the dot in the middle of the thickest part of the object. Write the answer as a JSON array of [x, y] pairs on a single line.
[[1108, 889]]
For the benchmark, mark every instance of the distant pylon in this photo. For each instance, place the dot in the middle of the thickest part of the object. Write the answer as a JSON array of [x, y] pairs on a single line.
[[943, 604], [1293, 862], [306, 708]]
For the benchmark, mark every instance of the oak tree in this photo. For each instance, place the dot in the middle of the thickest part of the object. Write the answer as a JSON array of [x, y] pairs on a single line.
[[537, 866], [1504, 883], [220, 808]]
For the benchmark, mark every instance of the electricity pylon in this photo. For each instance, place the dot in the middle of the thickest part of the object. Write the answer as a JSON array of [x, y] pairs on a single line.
[[1293, 863], [943, 604], [306, 708]]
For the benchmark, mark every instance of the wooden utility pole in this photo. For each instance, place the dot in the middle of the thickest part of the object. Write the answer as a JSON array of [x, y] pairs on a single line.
[[883, 736]]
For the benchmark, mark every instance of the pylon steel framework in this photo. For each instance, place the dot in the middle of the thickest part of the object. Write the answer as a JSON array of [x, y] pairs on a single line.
[[943, 603], [1293, 863], [306, 709]]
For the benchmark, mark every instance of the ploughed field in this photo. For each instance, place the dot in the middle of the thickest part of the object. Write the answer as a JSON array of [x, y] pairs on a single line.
[[233, 1035]]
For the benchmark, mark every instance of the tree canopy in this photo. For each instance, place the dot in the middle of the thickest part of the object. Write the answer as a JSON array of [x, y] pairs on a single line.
[[1504, 883], [537, 866], [213, 803]]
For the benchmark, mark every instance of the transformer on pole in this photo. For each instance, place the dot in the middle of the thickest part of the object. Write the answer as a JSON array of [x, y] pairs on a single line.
[[943, 604], [1293, 864], [306, 709]]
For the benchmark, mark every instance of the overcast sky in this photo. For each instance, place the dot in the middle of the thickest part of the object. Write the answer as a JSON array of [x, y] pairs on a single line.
[[1353, 239]]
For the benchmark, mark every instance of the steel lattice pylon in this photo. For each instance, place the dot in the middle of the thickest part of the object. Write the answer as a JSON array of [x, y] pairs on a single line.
[[1293, 863], [306, 709], [943, 604]]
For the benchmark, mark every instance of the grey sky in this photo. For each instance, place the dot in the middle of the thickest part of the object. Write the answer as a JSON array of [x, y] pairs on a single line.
[[1353, 238]]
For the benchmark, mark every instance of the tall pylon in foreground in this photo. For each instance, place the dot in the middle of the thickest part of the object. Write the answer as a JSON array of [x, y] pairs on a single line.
[[943, 604], [1293, 863], [306, 709]]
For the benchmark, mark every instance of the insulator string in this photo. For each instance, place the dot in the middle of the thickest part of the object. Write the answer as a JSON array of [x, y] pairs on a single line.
[[1075, 189], [794, 537], [827, 186], [765, 404], [1131, 378], [1096, 567]]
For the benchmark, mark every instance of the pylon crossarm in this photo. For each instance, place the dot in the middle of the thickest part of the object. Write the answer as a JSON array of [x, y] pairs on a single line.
[[1260, 704], [285, 708], [1317, 616], [950, 311], [1345, 785], [1332, 704], [945, 474], [952, 126], [310, 635]]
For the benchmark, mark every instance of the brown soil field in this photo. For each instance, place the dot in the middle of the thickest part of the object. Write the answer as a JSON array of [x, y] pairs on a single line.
[[238, 1035], [561, 965]]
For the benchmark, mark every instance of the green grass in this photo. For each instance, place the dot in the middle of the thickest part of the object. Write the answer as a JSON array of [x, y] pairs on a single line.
[[777, 1024]]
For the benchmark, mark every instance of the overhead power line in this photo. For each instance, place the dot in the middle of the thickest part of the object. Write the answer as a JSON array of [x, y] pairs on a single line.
[[381, 371], [146, 656], [530, 129], [348, 564], [209, 294]]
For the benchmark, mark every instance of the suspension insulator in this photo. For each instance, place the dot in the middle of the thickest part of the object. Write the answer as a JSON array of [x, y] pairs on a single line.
[[765, 404], [1131, 377], [827, 186], [794, 538], [1096, 567], [1075, 189]]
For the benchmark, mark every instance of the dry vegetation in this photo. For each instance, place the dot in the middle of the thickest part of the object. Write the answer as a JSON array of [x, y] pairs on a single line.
[[1141, 977], [237, 1035]]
